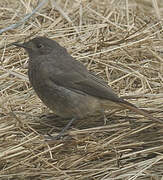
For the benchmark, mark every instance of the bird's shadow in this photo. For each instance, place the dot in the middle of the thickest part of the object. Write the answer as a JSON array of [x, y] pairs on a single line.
[[50, 123]]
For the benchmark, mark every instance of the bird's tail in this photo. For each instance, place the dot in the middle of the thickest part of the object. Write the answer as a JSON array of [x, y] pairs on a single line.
[[130, 106]]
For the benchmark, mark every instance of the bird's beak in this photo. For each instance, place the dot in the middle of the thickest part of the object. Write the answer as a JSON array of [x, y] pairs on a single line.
[[20, 45]]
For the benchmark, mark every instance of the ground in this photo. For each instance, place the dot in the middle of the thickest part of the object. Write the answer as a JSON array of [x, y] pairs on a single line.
[[121, 41]]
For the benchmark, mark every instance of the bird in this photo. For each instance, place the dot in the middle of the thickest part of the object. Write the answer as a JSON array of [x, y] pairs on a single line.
[[66, 86]]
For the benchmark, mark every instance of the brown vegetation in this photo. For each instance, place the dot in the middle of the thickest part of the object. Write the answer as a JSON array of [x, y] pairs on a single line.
[[121, 41]]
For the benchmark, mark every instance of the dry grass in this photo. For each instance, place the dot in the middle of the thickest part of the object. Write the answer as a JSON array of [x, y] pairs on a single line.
[[120, 41]]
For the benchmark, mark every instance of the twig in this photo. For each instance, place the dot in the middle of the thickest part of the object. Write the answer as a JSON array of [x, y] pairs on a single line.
[[65, 15], [13, 26]]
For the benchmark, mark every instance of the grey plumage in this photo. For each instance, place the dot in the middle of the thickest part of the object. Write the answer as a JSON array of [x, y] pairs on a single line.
[[65, 85]]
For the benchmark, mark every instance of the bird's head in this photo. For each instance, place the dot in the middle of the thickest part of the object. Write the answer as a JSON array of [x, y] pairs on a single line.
[[40, 46]]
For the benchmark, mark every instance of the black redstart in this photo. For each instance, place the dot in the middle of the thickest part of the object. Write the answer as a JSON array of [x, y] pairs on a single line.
[[66, 86]]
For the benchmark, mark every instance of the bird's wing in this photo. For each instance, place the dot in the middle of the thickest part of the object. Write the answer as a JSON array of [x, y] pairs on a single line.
[[80, 80]]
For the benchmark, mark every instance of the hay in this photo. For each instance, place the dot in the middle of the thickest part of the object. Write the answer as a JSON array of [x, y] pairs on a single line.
[[121, 41]]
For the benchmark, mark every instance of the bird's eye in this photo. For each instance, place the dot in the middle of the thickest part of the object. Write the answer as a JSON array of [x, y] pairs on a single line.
[[39, 46]]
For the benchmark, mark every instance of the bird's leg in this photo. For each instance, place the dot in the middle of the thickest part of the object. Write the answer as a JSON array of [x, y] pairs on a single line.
[[63, 130], [105, 119], [104, 116]]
